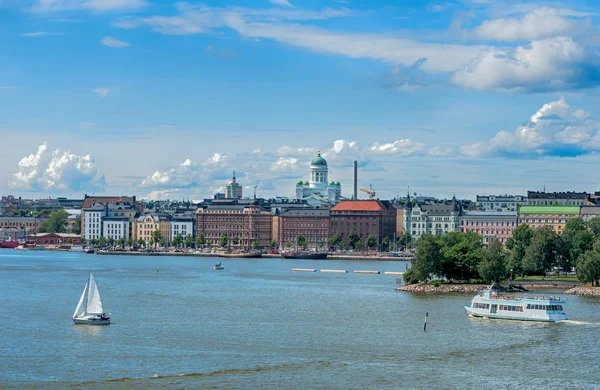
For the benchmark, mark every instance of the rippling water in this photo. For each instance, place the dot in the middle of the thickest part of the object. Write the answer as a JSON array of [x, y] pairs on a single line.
[[258, 325]]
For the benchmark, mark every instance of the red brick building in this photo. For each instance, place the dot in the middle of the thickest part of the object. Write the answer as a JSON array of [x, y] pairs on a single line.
[[313, 224], [249, 223], [366, 217], [54, 238]]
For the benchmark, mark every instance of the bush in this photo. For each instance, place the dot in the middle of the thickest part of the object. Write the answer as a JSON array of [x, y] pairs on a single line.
[[410, 277]]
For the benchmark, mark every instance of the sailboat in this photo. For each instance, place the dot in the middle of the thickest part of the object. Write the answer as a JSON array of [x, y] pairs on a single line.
[[89, 309]]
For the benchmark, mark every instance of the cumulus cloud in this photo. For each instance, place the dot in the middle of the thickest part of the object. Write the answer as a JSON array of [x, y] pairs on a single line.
[[284, 3], [439, 151], [163, 194], [49, 6], [113, 42], [189, 174], [59, 170], [539, 23], [403, 147], [285, 164], [101, 91], [554, 130], [546, 65], [287, 150]]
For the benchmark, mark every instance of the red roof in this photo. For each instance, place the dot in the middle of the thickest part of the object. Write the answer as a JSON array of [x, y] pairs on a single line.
[[359, 205]]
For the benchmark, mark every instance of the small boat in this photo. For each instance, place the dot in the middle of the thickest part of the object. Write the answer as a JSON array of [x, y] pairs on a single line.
[[9, 244], [219, 266], [242, 255], [89, 309], [89, 249], [305, 255], [490, 304]]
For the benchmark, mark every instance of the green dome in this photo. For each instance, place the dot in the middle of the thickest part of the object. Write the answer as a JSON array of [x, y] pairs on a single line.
[[305, 183], [319, 160], [332, 183], [299, 182], [337, 183]]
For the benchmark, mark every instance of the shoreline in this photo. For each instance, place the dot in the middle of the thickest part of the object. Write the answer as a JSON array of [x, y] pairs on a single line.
[[586, 291], [475, 288]]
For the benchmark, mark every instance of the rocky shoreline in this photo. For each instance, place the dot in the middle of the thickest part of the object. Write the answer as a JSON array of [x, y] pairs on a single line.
[[587, 291], [457, 288]]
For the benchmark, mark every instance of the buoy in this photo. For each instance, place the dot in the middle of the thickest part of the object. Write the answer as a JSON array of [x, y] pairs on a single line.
[[425, 324]]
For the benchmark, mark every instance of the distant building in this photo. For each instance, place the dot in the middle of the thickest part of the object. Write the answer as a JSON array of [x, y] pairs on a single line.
[[54, 238], [436, 218], [233, 189], [490, 225], [312, 224], [318, 187], [500, 202], [91, 220], [366, 217], [23, 223], [556, 217], [116, 228], [589, 212], [183, 225], [147, 224], [243, 223], [535, 198]]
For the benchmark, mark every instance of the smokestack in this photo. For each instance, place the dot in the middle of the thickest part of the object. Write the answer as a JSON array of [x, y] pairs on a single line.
[[355, 196]]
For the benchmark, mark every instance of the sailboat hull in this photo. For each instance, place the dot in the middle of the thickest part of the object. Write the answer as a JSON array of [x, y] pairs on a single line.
[[90, 321]]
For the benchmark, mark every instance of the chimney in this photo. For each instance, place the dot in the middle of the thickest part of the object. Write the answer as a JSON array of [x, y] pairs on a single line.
[[355, 195]]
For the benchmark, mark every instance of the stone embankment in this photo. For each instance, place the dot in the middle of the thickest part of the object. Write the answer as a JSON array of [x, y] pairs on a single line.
[[456, 288], [584, 290]]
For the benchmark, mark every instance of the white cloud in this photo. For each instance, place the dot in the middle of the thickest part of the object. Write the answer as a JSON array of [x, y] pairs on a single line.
[[539, 23], [287, 150], [101, 91], [58, 171], [439, 151], [285, 164], [403, 147], [113, 42], [189, 174], [39, 34], [284, 3], [48, 6], [546, 65], [554, 130], [86, 125], [163, 194]]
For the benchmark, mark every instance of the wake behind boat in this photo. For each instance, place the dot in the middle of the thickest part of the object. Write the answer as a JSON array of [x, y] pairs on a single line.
[[89, 309], [489, 304]]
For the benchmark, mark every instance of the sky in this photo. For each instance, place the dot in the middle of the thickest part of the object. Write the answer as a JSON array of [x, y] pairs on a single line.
[[164, 99]]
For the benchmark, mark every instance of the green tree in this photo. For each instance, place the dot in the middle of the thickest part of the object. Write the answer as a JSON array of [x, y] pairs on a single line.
[[102, 241], [156, 236], [371, 241], [288, 244], [189, 240], [162, 242], [427, 261], [201, 240], [256, 245], [224, 240], [77, 225], [541, 254], [462, 254], [385, 243], [492, 267], [235, 240], [177, 240], [110, 242], [121, 242], [335, 241], [56, 223], [576, 239], [588, 266], [353, 240], [141, 242], [518, 244], [130, 242], [594, 226], [93, 242], [301, 241], [273, 244], [321, 244]]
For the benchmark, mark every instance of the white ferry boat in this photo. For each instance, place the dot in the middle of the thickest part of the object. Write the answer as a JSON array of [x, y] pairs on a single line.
[[490, 304]]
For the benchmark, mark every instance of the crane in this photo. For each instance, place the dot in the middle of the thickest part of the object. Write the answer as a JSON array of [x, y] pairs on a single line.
[[369, 191]]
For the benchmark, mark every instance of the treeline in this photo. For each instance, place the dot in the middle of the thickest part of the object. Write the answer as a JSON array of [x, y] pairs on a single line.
[[463, 257]]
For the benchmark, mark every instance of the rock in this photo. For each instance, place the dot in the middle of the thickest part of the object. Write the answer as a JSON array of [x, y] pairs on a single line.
[[456, 288], [585, 291]]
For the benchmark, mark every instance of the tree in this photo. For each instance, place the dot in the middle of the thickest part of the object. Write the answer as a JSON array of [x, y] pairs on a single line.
[[588, 266], [301, 241], [517, 244], [405, 240], [77, 225], [462, 254], [235, 240], [540, 256], [177, 240], [335, 241], [141, 242], [385, 243], [93, 242], [162, 242], [121, 242], [256, 245], [102, 241], [56, 223], [156, 236], [492, 267], [130, 242], [321, 244], [110, 242], [189, 240], [353, 240], [201, 240], [576, 239], [371, 241], [224, 240], [427, 260], [273, 244], [288, 244], [594, 226]]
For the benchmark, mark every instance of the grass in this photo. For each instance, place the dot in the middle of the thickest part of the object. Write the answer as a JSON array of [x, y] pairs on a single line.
[[547, 278]]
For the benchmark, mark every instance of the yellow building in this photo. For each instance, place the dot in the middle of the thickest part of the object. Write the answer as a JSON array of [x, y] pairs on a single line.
[[556, 217], [146, 224]]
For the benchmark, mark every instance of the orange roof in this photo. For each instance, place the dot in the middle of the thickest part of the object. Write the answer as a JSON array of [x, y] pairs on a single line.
[[359, 205]]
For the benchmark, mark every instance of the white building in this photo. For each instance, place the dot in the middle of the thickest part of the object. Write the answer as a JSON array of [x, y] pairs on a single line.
[[183, 225], [92, 221], [437, 218], [318, 187], [500, 202], [116, 228]]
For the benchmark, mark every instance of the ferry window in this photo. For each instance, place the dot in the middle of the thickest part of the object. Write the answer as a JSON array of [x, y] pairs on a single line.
[[560, 307]]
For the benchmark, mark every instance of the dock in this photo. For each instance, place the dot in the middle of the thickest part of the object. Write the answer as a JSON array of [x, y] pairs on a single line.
[[358, 271], [338, 271], [393, 273], [304, 269]]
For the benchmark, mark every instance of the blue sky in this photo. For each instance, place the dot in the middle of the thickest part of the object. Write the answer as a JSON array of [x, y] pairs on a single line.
[[165, 99]]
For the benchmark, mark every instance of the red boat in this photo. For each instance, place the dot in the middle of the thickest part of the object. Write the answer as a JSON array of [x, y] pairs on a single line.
[[9, 244]]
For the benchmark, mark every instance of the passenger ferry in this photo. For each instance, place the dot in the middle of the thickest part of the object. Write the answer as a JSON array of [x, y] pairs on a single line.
[[489, 304]]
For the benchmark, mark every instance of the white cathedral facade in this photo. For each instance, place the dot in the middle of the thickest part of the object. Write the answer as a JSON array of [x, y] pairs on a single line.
[[318, 187]]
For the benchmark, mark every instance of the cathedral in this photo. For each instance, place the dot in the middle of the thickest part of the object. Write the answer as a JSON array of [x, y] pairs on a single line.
[[318, 186]]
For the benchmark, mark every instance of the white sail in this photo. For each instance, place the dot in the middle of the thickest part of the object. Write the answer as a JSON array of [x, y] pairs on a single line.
[[80, 310], [94, 305]]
